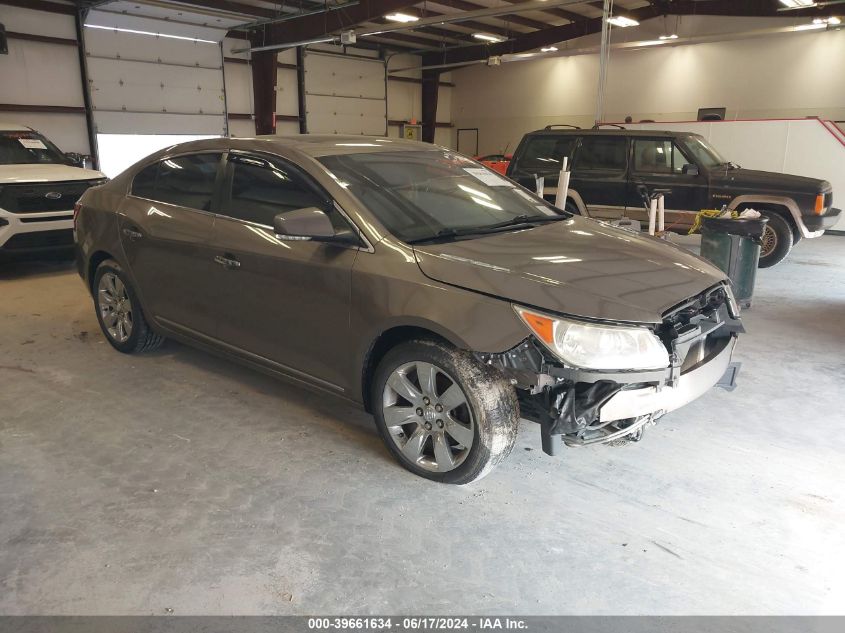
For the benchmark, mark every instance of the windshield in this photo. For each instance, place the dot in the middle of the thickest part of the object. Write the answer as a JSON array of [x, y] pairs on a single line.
[[25, 148], [704, 153], [420, 195]]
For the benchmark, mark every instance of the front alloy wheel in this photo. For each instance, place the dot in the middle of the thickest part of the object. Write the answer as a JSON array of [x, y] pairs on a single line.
[[442, 413], [427, 416]]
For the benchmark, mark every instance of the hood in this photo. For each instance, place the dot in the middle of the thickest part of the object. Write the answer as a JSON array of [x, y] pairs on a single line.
[[45, 172], [577, 267], [756, 181]]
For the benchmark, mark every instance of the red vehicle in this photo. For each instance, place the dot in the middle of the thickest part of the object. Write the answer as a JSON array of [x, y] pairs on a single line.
[[496, 162]]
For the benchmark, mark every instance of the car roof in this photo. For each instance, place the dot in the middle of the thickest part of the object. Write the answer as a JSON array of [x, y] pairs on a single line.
[[314, 145], [605, 132], [13, 127]]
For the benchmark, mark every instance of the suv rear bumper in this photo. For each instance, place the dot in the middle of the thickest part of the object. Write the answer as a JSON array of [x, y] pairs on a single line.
[[34, 232]]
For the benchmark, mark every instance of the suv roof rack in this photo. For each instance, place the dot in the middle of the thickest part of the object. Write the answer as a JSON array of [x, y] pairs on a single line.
[[553, 126], [599, 125]]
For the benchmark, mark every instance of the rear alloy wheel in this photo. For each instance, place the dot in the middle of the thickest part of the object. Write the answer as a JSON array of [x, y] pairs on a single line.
[[444, 415], [119, 311], [777, 240]]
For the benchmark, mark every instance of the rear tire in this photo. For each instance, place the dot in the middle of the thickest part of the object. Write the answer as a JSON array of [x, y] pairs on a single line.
[[777, 240], [119, 311], [443, 414]]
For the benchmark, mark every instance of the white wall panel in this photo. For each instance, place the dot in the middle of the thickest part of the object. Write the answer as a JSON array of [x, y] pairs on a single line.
[[287, 92], [37, 22], [239, 88], [43, 74], [241, 127], [344, 94]]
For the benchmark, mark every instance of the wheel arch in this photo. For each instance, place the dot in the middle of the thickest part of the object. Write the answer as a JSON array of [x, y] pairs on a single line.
[[782, 205], [97, 258], [382, 344], [578, 201]]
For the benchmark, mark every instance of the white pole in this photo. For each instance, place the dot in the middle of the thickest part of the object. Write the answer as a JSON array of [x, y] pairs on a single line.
[[562, 184], [652, 214], [540, 183], [660, 214], [604, 53]]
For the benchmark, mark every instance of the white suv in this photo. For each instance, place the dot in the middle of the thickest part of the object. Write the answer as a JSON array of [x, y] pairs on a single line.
[[38, 187]]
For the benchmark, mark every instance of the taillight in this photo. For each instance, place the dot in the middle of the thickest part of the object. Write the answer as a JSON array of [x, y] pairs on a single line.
[[76, 209], [819, 204]]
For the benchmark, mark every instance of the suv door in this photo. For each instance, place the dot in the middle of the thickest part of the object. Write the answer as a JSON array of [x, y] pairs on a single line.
[[165, 227], [600, 174], [284, 301], [660, 163], [542, 155]]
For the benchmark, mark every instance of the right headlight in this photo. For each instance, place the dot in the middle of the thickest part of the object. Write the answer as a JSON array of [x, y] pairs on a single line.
[[594, 346]]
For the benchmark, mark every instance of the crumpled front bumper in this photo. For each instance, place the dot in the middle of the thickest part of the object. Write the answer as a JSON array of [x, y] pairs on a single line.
[[658, 400]]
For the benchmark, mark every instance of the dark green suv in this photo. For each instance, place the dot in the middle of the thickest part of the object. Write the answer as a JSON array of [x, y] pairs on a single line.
[[611, 169]]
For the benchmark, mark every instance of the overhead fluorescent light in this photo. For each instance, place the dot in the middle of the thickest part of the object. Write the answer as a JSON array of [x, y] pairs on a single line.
[[170, 37], [621, 20], [548, 49], [401, 17], [487, 38], [795, 4], [668, 37]]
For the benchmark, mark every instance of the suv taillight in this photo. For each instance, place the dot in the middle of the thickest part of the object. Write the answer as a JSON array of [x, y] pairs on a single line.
[[76, 209], [819, 208]]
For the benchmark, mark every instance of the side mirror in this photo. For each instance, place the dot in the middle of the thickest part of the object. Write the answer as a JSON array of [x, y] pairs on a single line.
[[690, 170], [77, 160], [309, 223]]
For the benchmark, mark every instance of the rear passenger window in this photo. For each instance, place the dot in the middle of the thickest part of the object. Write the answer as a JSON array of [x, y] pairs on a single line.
[[658, 156], [607, 153], [144, 183], [544, 153], [261, 190], [187, 181]]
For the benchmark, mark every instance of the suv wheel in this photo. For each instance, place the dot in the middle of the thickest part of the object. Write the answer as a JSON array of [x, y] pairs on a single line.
[[119, 311], [777, 240], [443, 414]]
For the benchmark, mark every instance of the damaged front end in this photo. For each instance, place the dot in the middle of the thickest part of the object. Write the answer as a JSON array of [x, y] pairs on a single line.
[[579, 406]]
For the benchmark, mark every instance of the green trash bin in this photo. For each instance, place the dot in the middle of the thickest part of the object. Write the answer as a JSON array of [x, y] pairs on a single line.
[[734, 246]]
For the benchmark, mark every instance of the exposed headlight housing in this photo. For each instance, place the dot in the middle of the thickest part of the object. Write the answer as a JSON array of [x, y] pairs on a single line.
[[594, 346]]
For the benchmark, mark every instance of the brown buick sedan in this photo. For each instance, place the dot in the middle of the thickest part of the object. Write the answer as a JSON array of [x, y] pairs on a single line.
[[440, 296]]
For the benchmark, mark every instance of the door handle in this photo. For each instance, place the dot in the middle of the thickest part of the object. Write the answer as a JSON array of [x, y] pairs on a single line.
[[133, 234], [227, 262]]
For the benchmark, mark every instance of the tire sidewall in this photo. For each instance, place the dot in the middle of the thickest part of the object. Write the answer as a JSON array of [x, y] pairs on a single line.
[[785, 238], [138, 322], [491, 399]]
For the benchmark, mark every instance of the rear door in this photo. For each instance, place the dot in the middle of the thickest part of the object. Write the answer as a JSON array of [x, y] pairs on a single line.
[[659, 163], [600, 174], [284, 301], [165, 228]]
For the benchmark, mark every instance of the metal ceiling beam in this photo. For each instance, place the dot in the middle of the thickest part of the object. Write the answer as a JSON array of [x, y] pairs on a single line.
[[508, 16], [557, 34]]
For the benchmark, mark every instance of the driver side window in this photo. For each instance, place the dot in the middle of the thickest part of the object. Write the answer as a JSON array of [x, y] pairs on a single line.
[[261, 190]]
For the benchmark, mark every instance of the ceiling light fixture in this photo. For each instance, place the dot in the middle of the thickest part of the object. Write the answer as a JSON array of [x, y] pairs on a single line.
[[668, 37], [621, 20], [548, 49], [401, 17], [795, 4], [486, 37]]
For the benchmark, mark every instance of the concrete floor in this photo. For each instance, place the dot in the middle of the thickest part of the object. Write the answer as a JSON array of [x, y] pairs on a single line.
[[136, 485]]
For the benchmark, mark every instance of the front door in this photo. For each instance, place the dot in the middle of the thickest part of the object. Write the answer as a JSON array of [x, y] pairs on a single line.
[[165, 229], [600, 174], [283, 301], [659, 163]]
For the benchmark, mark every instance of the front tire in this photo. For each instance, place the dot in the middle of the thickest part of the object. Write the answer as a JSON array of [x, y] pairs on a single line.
[[443, 414], [119, 311], [777, 240]]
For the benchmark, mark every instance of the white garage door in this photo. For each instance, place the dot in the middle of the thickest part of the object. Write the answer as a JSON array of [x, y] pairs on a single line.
[[143, 83], [344, 94]]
